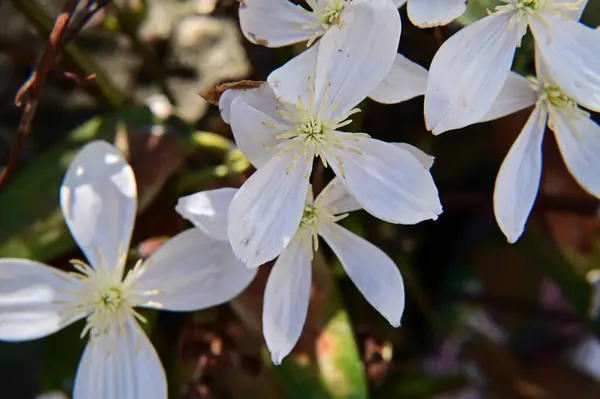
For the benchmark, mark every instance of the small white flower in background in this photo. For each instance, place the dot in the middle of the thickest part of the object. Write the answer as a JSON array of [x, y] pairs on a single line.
[[578, 139], [288, 287], [430, 13], [283, 126], [470, 69], [191, 271]]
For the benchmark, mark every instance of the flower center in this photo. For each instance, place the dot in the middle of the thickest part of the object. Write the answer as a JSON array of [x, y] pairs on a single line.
[[325, 13], [529, 5], [557, 97], [314, 220], [105, 298], [310, 130], [331, 13]]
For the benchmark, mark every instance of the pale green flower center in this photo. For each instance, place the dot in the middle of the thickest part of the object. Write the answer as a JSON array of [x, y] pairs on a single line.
[[532, 5], [310, 217], [326, 14], [105, 298], [312, 132], [558, 98], [332, 12]]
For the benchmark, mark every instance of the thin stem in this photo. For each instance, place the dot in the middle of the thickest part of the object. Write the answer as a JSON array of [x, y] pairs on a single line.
[[43, 24]]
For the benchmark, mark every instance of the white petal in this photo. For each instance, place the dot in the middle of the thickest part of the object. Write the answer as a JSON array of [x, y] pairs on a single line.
[[579, 143], [291, 81], [207, 210], [519, 177], [192, 271], [99, 201], [405, 80], [468, 72], [33, 300], [429, 13], [371, 270], [357, 54], [254, 131], [127, 367], [576, 12], [571, 55], [424, 158], [336, 199], [516, 95], [266, 211], [286, 300], [262, 98], [389, 182], [275, 23]]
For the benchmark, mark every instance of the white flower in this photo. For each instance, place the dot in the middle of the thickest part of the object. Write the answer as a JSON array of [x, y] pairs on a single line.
[[578, 139], [430, 13], [288, 287], [191, 271], [281, 133], [470, 69], [277, 23]]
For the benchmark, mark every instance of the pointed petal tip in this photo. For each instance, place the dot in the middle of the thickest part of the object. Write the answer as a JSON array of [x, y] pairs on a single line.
[[276, 360]]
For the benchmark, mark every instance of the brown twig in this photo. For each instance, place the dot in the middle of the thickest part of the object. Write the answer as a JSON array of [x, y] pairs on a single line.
[[32, 89]]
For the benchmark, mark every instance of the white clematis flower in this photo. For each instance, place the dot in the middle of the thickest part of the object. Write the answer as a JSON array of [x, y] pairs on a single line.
[[277, 23], [578, 139], [470, 69], [281, 128], [192, 271], [430, 13], [288, 287]]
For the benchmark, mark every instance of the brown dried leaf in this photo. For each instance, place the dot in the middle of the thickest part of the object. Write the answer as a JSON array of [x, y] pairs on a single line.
[[213, 94]]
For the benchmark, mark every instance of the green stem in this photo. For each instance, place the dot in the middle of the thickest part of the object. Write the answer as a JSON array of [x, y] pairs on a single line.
[[43, 23]]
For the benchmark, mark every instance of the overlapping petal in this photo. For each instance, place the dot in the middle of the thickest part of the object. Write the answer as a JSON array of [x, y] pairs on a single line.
[[405, 80], [34, 300], [429, 13], [127, 367], [98, 197], [388, 182], [519, 177], [469, 71], [286, 300], [579, 143], [357, 54], [207, 210], [291, 81], [336, 199], [191, 271], [275, 23], [266, 211], [517, 94], [254, 132], [570, 53], [371, 270]]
